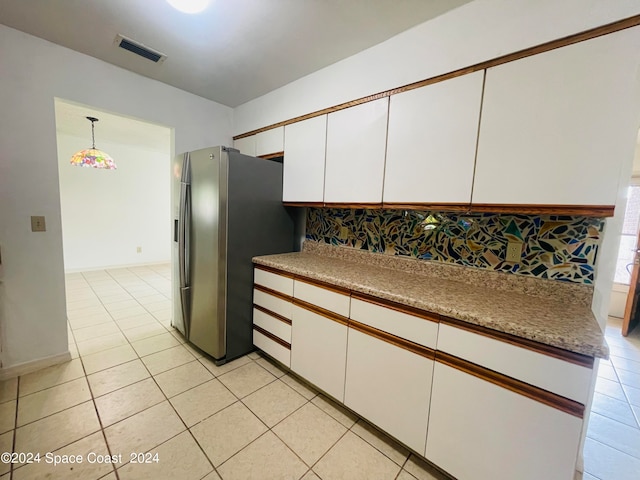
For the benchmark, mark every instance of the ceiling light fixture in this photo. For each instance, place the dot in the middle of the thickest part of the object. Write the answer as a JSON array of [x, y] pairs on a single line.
[[93, 157], [189, 6]]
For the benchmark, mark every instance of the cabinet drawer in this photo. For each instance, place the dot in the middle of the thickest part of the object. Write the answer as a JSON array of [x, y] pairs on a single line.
[[558, 376], [272, 348], [273, 281], [270, 141], [322, 297], [403, 325], [273, 303], [272, 325]]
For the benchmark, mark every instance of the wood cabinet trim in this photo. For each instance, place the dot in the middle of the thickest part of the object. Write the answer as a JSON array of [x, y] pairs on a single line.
[[323, 285], [269, 156], [273, 337], [398, 307], [393, 340], [518, 209], [555, 352], [441, 207], [274, 293], [536, 209], [274, 315], [543, 396], [527, 52], [277, 271], [321, 311]]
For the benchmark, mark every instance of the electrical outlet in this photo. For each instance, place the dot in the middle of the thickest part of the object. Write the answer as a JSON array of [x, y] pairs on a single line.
[[139, 249], [514, 252], [38, 224]]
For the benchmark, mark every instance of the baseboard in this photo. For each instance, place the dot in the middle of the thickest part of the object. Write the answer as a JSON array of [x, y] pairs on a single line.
[[32, 366], [115, 267]]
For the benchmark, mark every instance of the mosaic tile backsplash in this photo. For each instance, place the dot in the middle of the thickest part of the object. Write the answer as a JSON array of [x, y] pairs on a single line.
[[554, 247]]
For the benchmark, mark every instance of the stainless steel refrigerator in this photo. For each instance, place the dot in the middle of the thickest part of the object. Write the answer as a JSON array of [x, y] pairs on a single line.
[[227, 209]]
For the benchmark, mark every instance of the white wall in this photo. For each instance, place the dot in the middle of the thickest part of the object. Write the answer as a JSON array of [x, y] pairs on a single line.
[[470, 34], [107, 214], [33, 72]]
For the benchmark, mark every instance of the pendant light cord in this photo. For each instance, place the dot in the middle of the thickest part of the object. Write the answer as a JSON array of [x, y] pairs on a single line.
[[93, 136]]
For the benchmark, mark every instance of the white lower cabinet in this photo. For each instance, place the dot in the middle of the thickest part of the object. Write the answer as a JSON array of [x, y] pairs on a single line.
[[482, 431], [319, 350], [389, 386]]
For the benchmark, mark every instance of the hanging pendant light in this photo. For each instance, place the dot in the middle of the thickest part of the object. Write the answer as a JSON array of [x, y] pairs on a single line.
[[93, 157]]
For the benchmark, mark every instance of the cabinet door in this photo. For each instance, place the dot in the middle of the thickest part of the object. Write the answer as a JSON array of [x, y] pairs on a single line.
[[356, 140], [390, 387], [431, 142], [481, 431], [318, 350], [557, 126], [270, 141], [246, 145], [304, 149]]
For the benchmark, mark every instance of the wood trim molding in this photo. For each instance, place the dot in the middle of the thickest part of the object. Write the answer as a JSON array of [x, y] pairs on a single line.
[[355, 206], [273, 337], [393, 340], [398, 307], [523, 209], [527, 52], [442, 207], [274, 315], [277, 271], [555, 352], [303, 204], [531, 209], [324, 285], [269, 156], [274, 293], [543, 396], [321, 311]]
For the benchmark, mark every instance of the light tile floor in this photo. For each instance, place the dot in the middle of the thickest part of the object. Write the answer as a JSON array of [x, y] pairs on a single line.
[[134, 387], [612, 447]]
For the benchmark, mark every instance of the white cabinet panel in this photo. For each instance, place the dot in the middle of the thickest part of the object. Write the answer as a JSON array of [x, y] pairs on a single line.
[[273, 281], [409, 327], [270, 141], [273, 303], [304, 156], [480, 431], [431, 142], [389, 386], [318, 351], [321, 297], [246, 145], [552, 374], [557, 126], [356, 140], [277, 351]]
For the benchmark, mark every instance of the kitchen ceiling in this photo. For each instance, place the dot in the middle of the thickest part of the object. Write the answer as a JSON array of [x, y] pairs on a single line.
[[233, 51]]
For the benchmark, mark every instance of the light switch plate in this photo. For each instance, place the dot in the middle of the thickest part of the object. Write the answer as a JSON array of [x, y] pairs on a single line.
[[514, 252], [37, 224]]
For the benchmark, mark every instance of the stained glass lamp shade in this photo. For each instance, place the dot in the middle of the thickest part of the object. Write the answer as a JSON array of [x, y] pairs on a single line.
[[92, 157]]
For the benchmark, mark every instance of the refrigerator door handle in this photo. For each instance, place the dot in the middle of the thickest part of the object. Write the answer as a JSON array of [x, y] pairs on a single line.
[[184, 228]]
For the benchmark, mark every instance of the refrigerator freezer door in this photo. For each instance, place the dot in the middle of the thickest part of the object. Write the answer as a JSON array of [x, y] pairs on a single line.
[[207, 250]]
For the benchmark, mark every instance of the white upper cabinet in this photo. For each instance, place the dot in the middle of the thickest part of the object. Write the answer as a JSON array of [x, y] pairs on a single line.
[[246, 145], [431, 142], [304, 147], [270, 141], [557, 126], [356, 140]]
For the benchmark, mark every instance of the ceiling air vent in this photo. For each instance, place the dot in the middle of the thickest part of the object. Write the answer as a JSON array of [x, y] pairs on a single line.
[[139, 49]]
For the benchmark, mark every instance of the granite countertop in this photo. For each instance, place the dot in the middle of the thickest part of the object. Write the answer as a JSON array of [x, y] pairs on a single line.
[[566, 325]]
